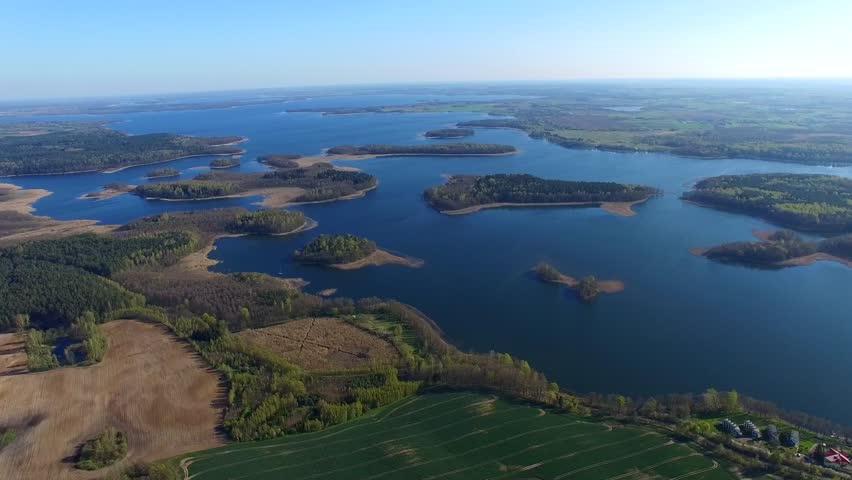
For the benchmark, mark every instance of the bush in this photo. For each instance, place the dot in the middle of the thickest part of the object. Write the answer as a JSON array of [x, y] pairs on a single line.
[[103, 450]]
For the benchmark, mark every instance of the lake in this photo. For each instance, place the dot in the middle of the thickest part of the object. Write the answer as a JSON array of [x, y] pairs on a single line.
[[682, 324]]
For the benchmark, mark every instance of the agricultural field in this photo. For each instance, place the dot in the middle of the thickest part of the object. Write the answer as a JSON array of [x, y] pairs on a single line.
[[459, 436], [149, 386], [324, 344]]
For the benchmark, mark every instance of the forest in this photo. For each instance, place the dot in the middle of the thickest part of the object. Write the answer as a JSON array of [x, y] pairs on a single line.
[[80, 147], [449, 133], [334, 249], [319, 182], [462, 191], [162, 173], [226, 162], [818, 203], [432, 149], [280, 160], [778, 247]]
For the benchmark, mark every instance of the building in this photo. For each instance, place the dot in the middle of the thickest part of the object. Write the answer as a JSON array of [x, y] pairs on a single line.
[[836, 456], [749, 429], [730, 428]]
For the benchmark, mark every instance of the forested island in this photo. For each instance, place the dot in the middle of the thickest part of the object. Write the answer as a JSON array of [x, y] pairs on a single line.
[[163, 173], [817, 203], [587, 289], [432, 149], [227, 162], [83, 147], [464, 194], [449, 133], [280, 160], [781, 249], [348, 252], [318, 182]]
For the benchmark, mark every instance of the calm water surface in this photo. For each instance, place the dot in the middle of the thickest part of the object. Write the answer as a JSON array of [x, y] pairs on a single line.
[[682, 324]]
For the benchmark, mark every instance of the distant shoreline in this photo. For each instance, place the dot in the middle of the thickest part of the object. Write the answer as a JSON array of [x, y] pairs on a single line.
[[308, 161]]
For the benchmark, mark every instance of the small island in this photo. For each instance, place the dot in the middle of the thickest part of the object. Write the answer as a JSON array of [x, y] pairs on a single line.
[[447, 133], [227, 162], [317, 183], [348, 252], [280, 160], [817, 203], [781, 249], [163, 173], [587, 289], [464, 194], [110, 190]]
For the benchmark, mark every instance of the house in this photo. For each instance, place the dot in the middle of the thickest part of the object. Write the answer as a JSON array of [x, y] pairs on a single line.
[[749, 429], [836, 456], [770, 434], [790, 439], [730, 428]]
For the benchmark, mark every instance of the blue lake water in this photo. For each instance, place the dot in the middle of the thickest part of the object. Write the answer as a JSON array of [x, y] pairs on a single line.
[[682, 324]]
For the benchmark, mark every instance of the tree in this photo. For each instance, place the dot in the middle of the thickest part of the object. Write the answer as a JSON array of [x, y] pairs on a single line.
[[819, 454], [587, 289], [22, 322], [649, 408], [710, 400], [732, 402]]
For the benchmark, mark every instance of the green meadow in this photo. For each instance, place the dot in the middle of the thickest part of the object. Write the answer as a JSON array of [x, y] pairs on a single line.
[[459, 436]]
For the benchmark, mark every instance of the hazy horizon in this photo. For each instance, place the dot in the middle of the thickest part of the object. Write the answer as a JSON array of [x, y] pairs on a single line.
[[98, 49]]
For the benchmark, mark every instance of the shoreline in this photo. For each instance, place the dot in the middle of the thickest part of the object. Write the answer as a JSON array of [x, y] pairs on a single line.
[[804, 261], [378, 258], [622, 209], [106, 193]]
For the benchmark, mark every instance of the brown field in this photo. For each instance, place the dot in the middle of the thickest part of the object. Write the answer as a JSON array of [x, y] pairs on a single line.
[[323, 344], [149, 386]]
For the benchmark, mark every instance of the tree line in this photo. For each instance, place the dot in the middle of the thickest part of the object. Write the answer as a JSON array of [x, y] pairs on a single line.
[[332, 249]]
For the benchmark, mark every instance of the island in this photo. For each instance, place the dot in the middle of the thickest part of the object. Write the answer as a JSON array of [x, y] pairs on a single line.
[[464, 194], [227, 162], [452, 149], [781, 249], [280, 160], [348, 252], [163, 173], [446, 133], [317, 183], [110, 190], [587, 288], [817, 203], [71, 147]]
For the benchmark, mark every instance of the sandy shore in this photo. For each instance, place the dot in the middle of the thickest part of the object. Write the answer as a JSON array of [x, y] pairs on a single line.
[[327, 292], [814, 257], [623, 209], [278, 197], [377, 258], [20, 225], [14, 198]]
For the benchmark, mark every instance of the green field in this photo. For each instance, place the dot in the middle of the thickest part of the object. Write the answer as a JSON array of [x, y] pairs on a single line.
[[459, 436]]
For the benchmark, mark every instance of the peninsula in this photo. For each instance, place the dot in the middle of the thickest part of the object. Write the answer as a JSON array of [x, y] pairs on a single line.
[[463, 194], [348, 252], [781, 249], [110, 190], [66, 147], [818, 203]]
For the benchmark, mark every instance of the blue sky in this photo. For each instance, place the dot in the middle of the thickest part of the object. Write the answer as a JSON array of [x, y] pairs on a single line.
[[82, 48]]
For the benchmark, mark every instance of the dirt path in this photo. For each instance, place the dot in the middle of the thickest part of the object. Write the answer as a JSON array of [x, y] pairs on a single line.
[[149, 386]]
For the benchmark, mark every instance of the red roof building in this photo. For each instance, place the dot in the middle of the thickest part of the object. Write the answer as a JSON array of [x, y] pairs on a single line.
[[836, 456]]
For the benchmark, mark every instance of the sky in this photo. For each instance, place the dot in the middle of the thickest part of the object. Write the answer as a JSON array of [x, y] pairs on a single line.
[[62, 48]]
